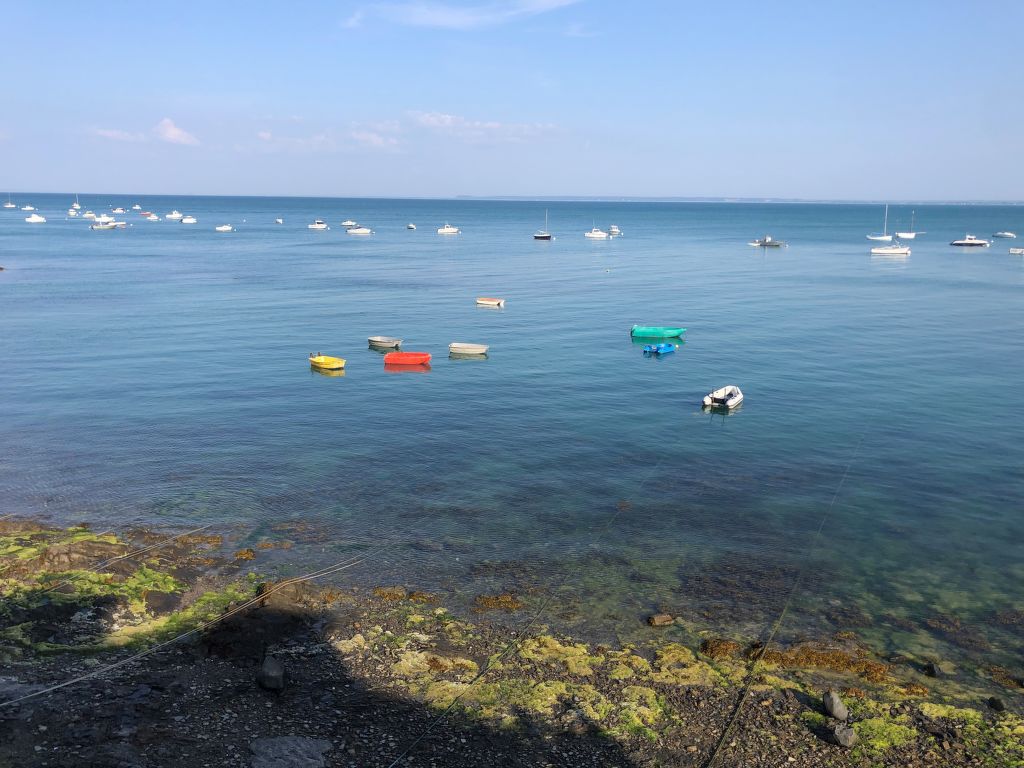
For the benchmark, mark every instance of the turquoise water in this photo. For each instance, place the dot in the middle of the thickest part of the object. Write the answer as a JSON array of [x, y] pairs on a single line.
[[157, 375]]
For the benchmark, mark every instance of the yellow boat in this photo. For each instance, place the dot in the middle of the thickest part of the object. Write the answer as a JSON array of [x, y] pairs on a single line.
[[327, 362]]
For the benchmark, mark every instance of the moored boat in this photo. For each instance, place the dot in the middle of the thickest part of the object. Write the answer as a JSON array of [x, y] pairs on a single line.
[[448, 229], [319, 224], [152, 217], [728, 396], [224, 228], [189, 220], [35, 218], [543, 234], [768, 242], [326, 362], [596, 234], [136, 207], [891, 250], [656, 332], [279, 221], [359, 231], [1005, 235], [463, 348], [1017, 251], [349, 223], [384, 342], [884, 235], [88, 215], [118, 210], [663, 348], [410, 225], [406, 358], [10, 204], [970, 241], [28, 208], [72, 212], [614, 231], [100, 225], [174, 215], [486, 301]]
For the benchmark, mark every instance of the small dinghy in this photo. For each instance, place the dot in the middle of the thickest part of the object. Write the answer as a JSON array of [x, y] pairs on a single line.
[[410, 225], [659, 349], [384, 342], [1005, 235], [485, 301], [1017, 251], [406, 358], [279, 221], [326, 362], [224, 228], [728, 396], [655, 332], [463, 349]]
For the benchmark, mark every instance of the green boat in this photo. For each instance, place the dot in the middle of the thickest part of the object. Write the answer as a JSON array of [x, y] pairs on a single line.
[[656, 332]]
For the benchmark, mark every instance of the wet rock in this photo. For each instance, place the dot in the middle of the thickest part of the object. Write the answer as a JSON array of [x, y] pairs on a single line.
[[271, 675], [844, 735], [73, 555], [288, 752], [834, 705], [660, 620], [932, 669], [719, 648], [245, 554], [503, 602], [427, 545], [391, 593], [996, 704], [159, 603]]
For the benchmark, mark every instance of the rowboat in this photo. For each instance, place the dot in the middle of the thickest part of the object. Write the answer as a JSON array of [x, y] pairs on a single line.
[[462, 348], [659, 349], [384, 342], [728, 396], [485, 301], [406, 358], [656, 332], [326, 362]]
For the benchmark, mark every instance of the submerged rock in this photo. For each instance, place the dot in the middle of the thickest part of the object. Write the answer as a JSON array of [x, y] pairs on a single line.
[[996, 704], [932, 669], [660, 620], [720, 648], [289, 752], [834, 705], [844, 735]]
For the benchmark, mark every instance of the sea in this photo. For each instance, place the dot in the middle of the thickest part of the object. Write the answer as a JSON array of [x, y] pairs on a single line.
[[870, 483]]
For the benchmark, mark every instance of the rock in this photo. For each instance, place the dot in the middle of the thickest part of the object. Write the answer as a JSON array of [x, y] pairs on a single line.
[[660, 620], [719, 648], [271, 675], [997, 704], [834, 705], [159, 603], [844, 735], [932, 669], [288, 752]]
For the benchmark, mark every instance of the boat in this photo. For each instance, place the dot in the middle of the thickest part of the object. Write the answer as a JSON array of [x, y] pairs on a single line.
[[1017, 251], [102, 218], [76, 205], [136, 207], [486, 301], [119, 210], [88, 215], [911, 234], [359, 231], [406, 358], [448, 229], [769, 242], [884, 235], [656, 332], [35, 218], [72, 212], [173, 215], [1005, 235], [224, 228], [105, 225], [349, 223], [891, 250], [410, 225], [188, 220], [9, 204], [384, 342], [663, 348], [279, 221], [543, 234], [728, 396], [145, 213], [152, 217], [970, 241], [319, 224], [326, 362], [27, 208], [614, 231], [462, 348], [596, 234]]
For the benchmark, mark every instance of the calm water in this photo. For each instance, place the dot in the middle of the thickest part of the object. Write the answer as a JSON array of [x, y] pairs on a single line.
[[157, 376]]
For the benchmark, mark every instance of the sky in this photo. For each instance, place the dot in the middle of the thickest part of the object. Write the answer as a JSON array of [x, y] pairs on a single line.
[[910, 100]]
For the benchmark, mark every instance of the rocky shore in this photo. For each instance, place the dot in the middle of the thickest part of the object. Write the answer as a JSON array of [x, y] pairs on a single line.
[[184, 655]]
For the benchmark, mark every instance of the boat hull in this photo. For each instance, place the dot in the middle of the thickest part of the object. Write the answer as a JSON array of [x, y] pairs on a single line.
[[326, 362], [726, 397], [461, 348], [485, 301], [656, 332], [406, 358], [384, 342]]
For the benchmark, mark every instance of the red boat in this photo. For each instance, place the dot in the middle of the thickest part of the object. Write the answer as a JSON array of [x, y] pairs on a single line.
[[406, 358]]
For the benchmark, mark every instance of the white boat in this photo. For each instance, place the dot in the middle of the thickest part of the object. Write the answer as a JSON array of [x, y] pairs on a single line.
[[136, 207], [911, 234], [1005, 235], [970, 241], [891, 250], [224, 228], [188, 219], [448, 229], [119, 210], [384, 342], [72, 212], [27, 208], [543, 234], [349, 223], [728, 396], [614, 231], [152, 217], [1017, 251], [88, 215], [319, 224], [410, 225], [101, 219], [9, 204], [76, 205], [768, 242], [596, 234], [279, 221], [462, 348], [105, 225], [484, 301], [173, 215], [359, 231], [35, 218], [884, 235]]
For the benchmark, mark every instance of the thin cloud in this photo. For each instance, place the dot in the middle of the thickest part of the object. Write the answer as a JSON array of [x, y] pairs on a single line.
[[373, 139], [116, 134], [354, 21], [167, 131], [439, 15], [479, 130]]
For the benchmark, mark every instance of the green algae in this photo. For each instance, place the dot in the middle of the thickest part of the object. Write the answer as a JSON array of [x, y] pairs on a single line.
[[877, 735], [676, 664], [639, 712], [949, 712], [575, 657]]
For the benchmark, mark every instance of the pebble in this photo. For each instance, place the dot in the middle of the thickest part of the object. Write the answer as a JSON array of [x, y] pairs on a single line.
[[844, 735], [834, 705], [271, 674]]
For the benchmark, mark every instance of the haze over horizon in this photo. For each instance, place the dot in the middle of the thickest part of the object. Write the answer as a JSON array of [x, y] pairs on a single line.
[[524, 98]]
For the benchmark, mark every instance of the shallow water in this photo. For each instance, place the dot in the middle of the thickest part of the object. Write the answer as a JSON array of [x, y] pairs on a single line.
[[157, 376]]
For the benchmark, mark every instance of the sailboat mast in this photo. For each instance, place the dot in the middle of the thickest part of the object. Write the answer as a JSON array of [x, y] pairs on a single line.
[[885, 223]]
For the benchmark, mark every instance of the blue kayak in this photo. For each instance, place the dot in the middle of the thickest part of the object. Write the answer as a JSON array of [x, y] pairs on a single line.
[[659, 349]]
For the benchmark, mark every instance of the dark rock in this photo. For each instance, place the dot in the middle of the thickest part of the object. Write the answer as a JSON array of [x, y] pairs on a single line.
[[834, 705], [660, 620], [271, 674], [719, 648], [997, 704], [288, 752], [427, 545], [68, 557], [932, 669], [844, 735], [159, 603]]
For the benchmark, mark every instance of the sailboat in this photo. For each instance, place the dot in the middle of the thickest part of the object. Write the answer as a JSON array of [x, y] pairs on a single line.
[[543, 234], [884, 235], [76, 205], [911, 234], [9, 204]]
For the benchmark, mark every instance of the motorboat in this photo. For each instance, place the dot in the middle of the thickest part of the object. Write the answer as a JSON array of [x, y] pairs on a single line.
[[543, 234], [326, 362], [596, 234], [1005, 235], [174, 215], [359, 231], [101, 225], [224, 228], [410, 225], [769, 242], [486, 301], [279, 221], [319, 224], [664, 348], [656, 332], [728, 396], [88, 215], [136, 207], [970, 241], [1017, 251], [72, 212], [35, 218], [349, 223], [152, 217], [27, 208], [891, 250], [884, 235], [462, 348], [145, 213], [912, 233], [614, 231], [188, 220], [384, 342], [448, 229], [102, 218], [406, 358], [119, 210]]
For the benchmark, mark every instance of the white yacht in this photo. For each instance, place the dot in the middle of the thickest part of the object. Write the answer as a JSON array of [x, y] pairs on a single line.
[[224, 228], [187, 219], [410, 225], [174, 216], [35, 218], [596, 234], [27, 208], [970, 241], [279, 221], [912, 233], [72, 212], [891, 250], [359, 231], [119, 209], [1007, 235], [319, 224], [101, 219], [349, 223], [136, 207], [152, 217], [448, 229], [100, 225], [9, 204], [88, 215], [884, 235], [614, 231]]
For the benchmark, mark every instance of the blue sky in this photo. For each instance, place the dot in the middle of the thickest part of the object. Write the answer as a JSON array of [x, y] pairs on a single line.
[[838, 100]]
